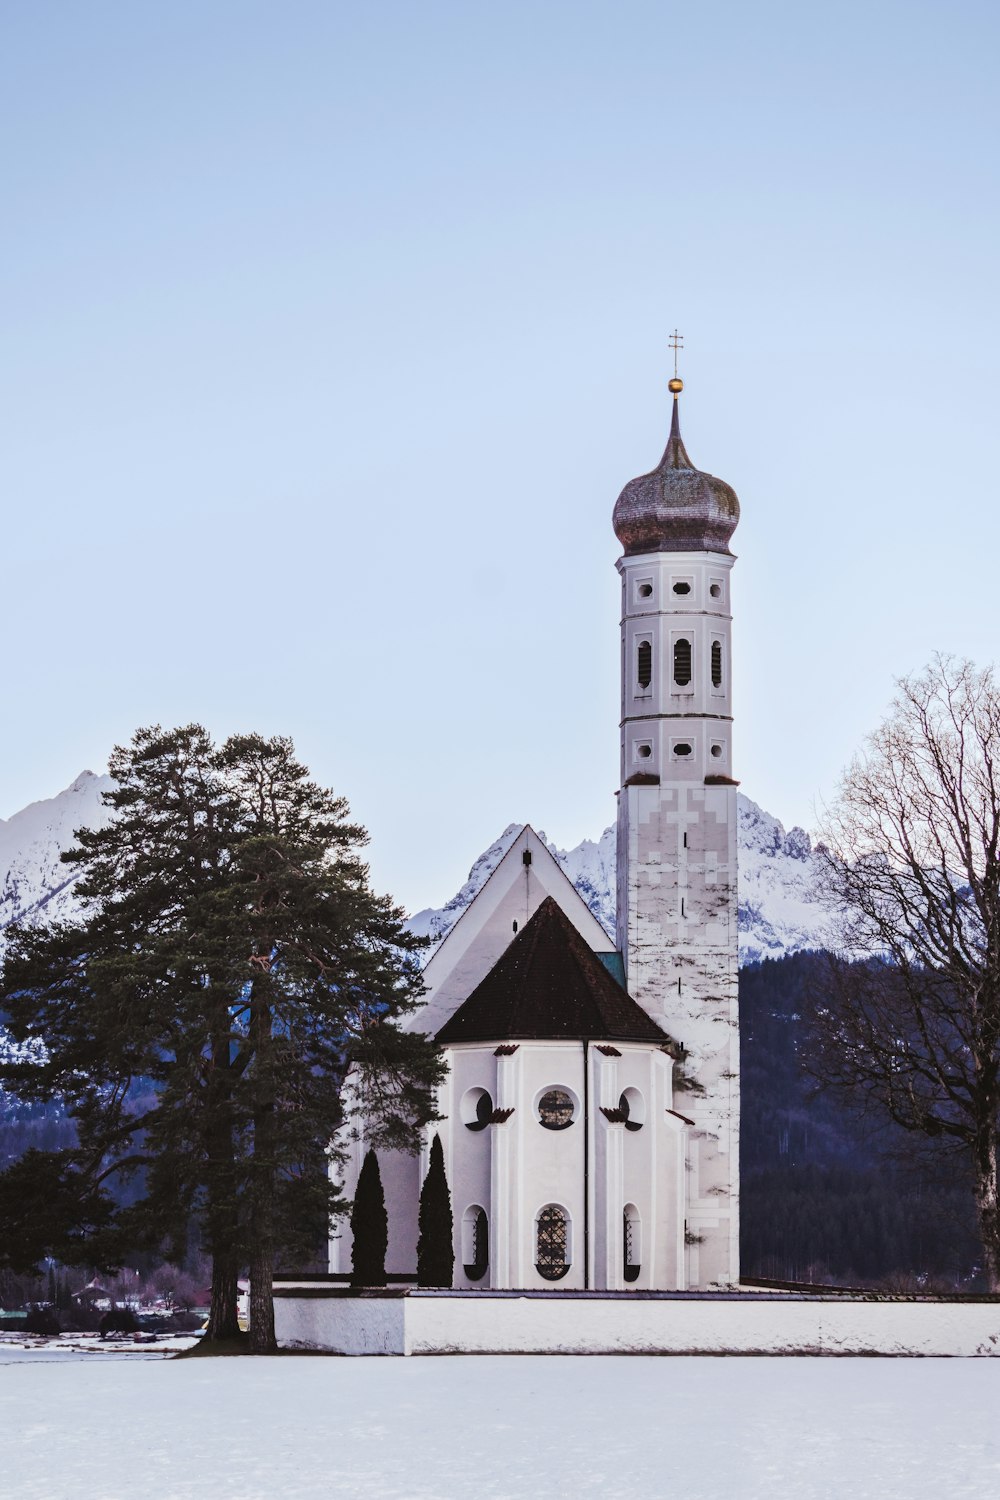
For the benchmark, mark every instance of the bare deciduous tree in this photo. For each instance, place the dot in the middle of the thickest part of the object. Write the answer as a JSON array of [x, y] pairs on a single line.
[[910, 1023]]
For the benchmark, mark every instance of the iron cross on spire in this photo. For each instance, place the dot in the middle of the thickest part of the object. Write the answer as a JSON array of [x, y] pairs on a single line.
[[676, 341]]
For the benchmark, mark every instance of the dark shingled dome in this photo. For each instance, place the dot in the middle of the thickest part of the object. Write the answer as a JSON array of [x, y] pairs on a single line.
[[546, 986], [676, 508]]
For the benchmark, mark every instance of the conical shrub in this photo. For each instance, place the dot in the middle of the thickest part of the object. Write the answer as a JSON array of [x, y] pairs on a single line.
[[369, 1226], [435, 1247]]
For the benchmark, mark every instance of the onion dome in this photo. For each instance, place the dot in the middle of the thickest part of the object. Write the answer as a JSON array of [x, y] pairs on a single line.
[[676, 508]]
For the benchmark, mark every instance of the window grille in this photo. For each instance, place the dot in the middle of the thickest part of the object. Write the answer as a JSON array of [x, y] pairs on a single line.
[[682, 662], [716, 663], [552, 1243], [644, 664], [555, 1109]]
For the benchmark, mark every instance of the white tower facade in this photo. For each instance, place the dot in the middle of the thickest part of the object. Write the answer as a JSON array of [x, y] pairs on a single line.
[[676, 897]]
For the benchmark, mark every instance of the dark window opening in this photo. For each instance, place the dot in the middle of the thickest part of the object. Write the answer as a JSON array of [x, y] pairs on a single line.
[[716, 751], [475, 1269], [644, 664], [685, 841], [645, 751], [715, 590], [645, 589], [484, 1113], [682, 588], [682, 749], [555, 1109], [552, 1244], [630, 1244], [716, 664], [682, 662], [625, 1108]]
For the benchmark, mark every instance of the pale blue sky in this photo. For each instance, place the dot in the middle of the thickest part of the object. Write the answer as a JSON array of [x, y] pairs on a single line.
[[331, 333]]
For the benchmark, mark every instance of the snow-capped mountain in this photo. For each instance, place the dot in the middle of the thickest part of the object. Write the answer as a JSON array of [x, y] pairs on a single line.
[[33, 883], [779, 908]]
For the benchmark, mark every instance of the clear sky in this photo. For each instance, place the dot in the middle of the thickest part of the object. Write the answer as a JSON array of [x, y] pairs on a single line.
[[330, 333]]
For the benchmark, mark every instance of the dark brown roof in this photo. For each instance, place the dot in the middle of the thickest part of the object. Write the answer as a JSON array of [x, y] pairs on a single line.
[[547, 985]]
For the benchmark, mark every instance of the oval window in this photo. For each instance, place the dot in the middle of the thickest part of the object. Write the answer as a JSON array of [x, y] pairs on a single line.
[[552, 1243], [477, 1109], [682, 588], [682, 749], [556, 1109]]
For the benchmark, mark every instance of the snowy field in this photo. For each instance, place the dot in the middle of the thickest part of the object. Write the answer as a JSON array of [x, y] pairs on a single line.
[[521, 1428]]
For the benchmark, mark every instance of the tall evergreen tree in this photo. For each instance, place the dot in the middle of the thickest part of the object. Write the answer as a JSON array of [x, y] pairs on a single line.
[[369, 1226], [435, 1246], [198, 1019]]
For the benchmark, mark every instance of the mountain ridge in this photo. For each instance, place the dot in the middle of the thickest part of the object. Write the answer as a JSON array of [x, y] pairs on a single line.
[[780, 909]]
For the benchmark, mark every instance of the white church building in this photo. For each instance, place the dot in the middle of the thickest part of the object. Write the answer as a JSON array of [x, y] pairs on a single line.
[[590, 1113]]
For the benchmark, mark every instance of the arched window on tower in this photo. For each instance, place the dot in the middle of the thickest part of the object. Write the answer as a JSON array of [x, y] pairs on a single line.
[[716, 663], [631, 1243], [682, 661], [644, 664], [552, 1249]]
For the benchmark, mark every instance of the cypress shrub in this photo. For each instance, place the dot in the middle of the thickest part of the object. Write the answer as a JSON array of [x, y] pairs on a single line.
[[369, 1226], [435, 1248]]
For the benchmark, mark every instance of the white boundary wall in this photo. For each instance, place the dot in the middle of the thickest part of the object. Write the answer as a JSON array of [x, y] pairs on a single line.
[[480, 1323]]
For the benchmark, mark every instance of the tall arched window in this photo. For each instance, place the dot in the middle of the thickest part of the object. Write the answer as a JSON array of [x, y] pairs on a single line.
[[552, 1250], [716, 663], [682, 662], [475, 1242], [644, 664], [631, 1243]]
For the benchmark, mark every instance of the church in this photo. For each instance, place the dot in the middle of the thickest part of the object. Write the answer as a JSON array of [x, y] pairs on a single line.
[[590, 1112]]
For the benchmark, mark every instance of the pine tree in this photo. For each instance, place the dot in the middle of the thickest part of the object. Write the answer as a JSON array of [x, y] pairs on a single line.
[[230, 963], [435, 1247], [369, 1226]]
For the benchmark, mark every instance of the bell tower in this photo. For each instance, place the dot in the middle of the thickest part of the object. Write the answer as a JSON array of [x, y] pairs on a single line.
[[676, 896]]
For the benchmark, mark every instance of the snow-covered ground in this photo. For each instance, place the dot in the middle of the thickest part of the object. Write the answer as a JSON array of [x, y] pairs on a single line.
[[515, 1428]]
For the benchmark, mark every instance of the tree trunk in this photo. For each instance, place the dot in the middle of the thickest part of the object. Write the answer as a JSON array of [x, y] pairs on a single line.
[[223, 1322], [262, 1339], [222, 1215], [988, 1204]]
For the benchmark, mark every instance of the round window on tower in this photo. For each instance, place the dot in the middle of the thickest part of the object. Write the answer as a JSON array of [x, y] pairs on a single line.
[[645, 590], [681, 750]]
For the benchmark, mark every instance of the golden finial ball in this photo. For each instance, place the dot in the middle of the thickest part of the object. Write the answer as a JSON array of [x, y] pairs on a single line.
[[675, 385]]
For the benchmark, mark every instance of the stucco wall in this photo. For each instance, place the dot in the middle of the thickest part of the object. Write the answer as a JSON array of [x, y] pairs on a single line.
[[478, 1323]]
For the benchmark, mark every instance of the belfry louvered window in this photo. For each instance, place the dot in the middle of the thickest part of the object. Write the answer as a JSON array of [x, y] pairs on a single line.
[[644, 664], [682, 662], [716, 663]]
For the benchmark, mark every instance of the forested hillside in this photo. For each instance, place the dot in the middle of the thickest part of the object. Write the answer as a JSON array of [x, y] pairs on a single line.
[[828, 1196]]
